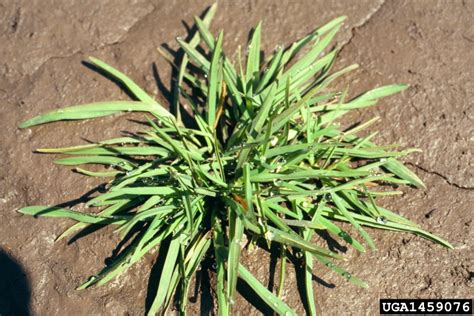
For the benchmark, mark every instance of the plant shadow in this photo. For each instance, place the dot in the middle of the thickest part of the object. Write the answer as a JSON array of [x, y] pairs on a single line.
[[15, 292]]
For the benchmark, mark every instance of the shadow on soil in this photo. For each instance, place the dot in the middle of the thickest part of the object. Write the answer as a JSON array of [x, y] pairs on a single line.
[[15, 292]]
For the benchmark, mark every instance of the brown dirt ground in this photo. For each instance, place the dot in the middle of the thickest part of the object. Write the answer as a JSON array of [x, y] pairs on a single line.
[[426, 43]]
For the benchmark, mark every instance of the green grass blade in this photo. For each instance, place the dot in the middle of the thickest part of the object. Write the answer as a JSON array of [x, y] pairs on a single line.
[[100, 160], [398, 169], [308, 278], [294, 240], [204, 32], [200, 61], [117, 207], [268, 297], [114, 151], [307, 174], [264, 110], [113, 141], [93, 110], [270, 72], [336, 230], [220, 253], [303, 65], [189, 211], [340, 206], [119, 265], [253, 59], [370, 222], [236, 230], [301, 43], [132, 86], [53, 211], [214, 81], [128, 257], [184, 62], [97, 174], [168, 266], [352, 279], [381, 92]]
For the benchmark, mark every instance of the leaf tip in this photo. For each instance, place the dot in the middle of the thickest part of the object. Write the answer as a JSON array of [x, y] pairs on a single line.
[[20, 210], [25, 124], [93, 59], [44, 150]]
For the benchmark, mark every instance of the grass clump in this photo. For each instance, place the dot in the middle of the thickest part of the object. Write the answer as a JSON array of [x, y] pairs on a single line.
[[262, 159]]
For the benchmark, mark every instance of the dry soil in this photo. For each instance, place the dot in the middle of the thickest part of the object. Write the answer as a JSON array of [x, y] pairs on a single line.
[[426, 43]]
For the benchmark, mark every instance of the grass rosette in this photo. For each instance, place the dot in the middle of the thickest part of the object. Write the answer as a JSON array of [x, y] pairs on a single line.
[[262, 159]]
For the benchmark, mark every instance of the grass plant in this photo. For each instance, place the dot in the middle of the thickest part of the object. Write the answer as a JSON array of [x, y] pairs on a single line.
[[263, 160]]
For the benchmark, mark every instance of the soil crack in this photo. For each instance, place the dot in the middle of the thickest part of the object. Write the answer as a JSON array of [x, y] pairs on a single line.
[[445, 178], [361, 24]]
